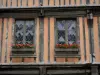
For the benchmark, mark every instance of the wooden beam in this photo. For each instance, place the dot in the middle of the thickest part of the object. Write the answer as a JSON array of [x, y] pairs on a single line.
[[19, 3], [37, 39], [0, 36], [24, 3], [56, 2], [4, 40], [45, 2], [56, 72], [51, 2], [8, 3], [77, 2], [36, 72], [9, 43], [46, 40], [52, 40], [72, 2], [37, 3], [96, 39], [97, 1], [66, 2], [14, 3], [4, 3], [83, 2], [87, 41], [30, 3], [81, 39], [62, 3], [91, 2]]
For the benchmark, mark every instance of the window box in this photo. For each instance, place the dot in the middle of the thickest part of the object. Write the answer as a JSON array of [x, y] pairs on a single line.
[[66, 49], [23, 52], [66, 52]]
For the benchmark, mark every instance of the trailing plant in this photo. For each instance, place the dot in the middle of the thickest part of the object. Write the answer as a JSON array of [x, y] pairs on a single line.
[[20, 46], [67, 46]]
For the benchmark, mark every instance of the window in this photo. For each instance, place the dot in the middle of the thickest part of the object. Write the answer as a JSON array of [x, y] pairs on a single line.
[[24, 32], [66, 31]]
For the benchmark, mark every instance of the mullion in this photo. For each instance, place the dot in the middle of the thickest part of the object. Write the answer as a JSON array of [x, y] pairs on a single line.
[[33, 32], [61, 33], [24, 32], [66, 32]]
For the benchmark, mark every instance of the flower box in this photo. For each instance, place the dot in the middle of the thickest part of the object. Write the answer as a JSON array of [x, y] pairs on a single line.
[[22, 46], [68, 52], [23, 52], [23, 49], [67, 49], [67, 46]]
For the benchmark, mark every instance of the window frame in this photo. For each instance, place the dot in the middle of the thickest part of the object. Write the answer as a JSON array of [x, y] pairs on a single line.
[[66, 30], [34, 36]]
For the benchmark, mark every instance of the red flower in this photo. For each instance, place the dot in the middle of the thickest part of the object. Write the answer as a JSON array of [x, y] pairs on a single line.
[[67, 45]]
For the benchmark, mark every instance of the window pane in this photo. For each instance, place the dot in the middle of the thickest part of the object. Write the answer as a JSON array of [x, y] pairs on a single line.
[[60, 25], [61, 37], [19, 32], [71, 31], [29, 32], [66, 31], [61, 31]]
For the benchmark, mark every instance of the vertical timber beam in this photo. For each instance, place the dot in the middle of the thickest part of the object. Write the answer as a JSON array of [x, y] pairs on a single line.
[[37, 40], [45, 2], [83, 2], [87, 41], [46, 40], [30, 3], [37, 2], [41, 40], [57, 2], [72, 2], [10, 23], [51, 3], [8, 3], [62, 2], [0, 37], [4, 3], [52, 40], [19, 3], [97, 1], [77, 2], [96, 39], [91, 1], [24, 3], [4, 41], [81, 38], [14, 3], [66, 2]]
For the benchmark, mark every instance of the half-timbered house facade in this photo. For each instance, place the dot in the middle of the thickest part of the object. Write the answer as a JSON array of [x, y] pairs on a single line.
[[49, 37]]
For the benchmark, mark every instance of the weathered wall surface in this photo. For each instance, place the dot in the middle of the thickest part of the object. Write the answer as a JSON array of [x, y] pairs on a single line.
[[35, 3]]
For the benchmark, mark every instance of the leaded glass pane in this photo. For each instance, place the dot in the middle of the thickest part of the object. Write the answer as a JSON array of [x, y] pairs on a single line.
[[24, 32], [66, 31], [60, 25], [19, 32], [61, 37], [29, 32], [71, 31], [61, 32]]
